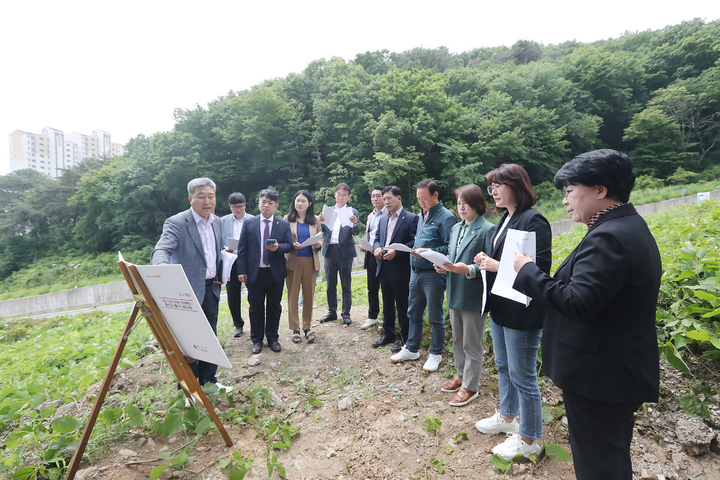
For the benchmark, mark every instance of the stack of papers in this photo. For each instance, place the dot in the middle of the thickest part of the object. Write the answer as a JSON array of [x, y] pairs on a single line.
[[331, 215]]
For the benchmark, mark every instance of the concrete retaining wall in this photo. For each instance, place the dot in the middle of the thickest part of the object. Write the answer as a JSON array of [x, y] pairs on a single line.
[[104, 294], [118, 292]]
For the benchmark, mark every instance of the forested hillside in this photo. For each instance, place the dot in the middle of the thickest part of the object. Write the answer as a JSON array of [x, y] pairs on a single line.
[[390, 118]]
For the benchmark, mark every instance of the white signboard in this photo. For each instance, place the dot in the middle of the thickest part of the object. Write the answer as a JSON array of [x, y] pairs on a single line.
[[183, 314], [514, 240], [702, 196]]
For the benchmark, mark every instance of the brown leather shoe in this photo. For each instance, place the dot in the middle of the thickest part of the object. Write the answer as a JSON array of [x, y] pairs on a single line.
[[462, 398], [452, 386]]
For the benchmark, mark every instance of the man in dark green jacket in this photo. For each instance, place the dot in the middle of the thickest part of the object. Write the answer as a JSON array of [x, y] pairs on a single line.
[[427, 287]]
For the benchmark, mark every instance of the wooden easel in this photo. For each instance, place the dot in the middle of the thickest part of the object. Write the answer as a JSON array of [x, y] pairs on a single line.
[[147, 308]]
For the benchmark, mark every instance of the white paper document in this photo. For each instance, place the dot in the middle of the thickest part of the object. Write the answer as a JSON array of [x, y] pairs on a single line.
[[312, 240], [399, 247], [227, 262], [174, 296], [514, 240], [345, 214], [365, 244], [232, 243], [436, 258], [330, 215], [483, 275]]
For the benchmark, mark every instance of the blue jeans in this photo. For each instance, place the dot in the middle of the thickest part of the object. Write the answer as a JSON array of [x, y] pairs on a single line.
[[427, 288], [516, 360]]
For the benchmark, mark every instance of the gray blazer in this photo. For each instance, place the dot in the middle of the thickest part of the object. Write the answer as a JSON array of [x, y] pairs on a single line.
[[180, 243]]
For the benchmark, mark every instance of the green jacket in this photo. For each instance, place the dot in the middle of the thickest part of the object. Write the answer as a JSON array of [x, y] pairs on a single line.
[[465, 291]]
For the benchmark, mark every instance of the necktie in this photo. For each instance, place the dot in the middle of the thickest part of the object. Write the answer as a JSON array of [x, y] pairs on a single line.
[[266, 234]]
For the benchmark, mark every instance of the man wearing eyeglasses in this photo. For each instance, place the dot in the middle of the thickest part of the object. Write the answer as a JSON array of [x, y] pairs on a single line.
[[232, 225], [370, 263], [339, 251]]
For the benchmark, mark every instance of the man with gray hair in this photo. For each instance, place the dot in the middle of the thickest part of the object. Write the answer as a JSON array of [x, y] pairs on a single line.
[[193, 239]]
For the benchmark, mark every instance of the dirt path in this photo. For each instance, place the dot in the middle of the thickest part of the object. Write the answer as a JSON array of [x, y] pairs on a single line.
[[382, 435]]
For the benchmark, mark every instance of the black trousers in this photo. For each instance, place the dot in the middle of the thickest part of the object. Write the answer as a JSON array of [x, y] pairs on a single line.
[[600, 436], [373, 286], [234, 299], [334, 264], [395, 292], [264, 296], [204, 371]]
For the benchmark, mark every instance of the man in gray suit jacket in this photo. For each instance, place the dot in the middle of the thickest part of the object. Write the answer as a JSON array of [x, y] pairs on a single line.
[[232, 227], [193, 239]]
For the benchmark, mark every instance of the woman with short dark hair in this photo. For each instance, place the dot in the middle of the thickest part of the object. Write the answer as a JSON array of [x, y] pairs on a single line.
[[600, 343], [516, 328], [464, 293]]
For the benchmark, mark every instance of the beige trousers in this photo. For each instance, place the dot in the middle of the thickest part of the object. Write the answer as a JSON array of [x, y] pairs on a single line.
[[304, 274]]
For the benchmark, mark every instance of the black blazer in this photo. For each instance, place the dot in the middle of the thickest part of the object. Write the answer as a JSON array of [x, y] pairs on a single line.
[[510, 313], [599, 339], [405, 229], [248, 260]]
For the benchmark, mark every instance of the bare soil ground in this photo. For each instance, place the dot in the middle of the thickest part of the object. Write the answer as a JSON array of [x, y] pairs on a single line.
[[382, 435]]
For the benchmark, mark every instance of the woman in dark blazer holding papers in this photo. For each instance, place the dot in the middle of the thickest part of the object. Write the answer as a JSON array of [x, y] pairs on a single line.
[[516, 328], [600, 342], [303, 263], [465, 293]]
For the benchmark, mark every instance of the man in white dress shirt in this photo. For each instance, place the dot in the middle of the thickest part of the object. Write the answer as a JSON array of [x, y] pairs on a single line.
[[232, 225]]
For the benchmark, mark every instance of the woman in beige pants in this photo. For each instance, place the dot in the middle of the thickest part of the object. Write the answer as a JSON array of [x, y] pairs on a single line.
[[303, 263]]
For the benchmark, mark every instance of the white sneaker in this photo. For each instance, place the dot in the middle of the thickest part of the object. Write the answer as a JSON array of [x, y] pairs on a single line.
[[404, 354], [220, 386], [432, 363], [497, 424], [188, 400], [369, 323], [515, 445]]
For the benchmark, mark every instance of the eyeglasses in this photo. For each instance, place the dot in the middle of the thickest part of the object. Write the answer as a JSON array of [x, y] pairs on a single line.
[[494, 187], [237, 206]]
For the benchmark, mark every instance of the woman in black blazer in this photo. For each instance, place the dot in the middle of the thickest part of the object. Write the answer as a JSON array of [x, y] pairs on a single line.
[[516, 328], [600, 343]]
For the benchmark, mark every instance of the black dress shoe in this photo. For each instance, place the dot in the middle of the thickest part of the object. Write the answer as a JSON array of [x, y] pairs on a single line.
[[257, 348], [330, 317], [275, 346], [382, 342], [397, 346], [238, 332], [347, 321]]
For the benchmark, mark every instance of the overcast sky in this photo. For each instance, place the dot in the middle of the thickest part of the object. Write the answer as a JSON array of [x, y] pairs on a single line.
[[123, 67]]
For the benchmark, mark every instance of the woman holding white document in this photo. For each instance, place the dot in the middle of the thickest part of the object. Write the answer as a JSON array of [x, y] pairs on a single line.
[[303, 263], [516, 328], [464, 293]]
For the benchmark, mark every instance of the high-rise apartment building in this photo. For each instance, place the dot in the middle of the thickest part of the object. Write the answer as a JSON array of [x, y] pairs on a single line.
[[54, 151]]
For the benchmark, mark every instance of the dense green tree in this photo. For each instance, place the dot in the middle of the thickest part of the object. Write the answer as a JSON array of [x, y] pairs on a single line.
[[385, 118], [655, 142]]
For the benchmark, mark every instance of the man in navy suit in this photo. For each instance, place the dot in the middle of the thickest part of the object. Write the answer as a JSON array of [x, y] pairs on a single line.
[[393, 267], [260, 265], [193, 239], [339, 250], [232, 225]]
